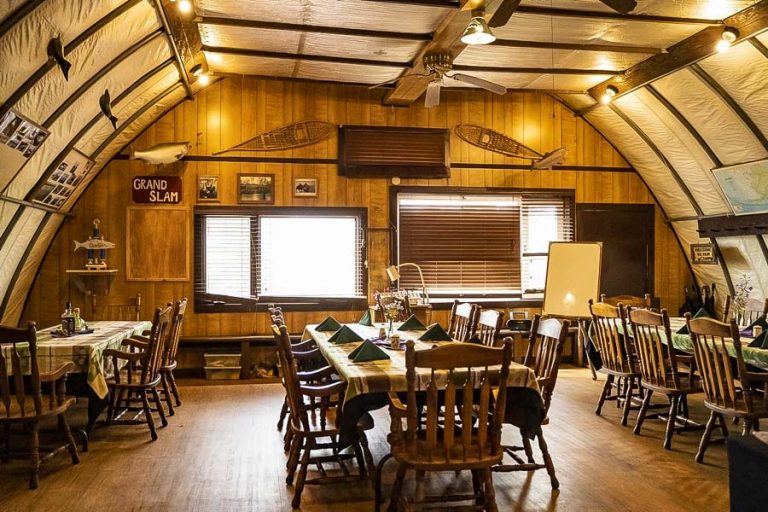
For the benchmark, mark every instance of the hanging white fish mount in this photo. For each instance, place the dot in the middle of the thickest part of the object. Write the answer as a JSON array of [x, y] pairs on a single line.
[[304, 133], [499, 143], [165, 153]]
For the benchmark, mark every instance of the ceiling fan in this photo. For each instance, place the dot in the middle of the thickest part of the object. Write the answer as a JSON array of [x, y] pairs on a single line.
[[438, 66], [507, 8]]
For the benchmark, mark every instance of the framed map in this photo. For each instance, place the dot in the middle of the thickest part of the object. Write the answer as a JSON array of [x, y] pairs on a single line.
[[745, 186]]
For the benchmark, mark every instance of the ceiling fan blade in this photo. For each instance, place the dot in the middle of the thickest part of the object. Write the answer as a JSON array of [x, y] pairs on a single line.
[[503, 13], [473, 4], [395, 80], [479, 82], [432, 98], [621, 6]]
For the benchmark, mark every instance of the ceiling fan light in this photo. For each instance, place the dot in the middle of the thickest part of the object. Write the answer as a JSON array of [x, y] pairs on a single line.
[[477, 32]]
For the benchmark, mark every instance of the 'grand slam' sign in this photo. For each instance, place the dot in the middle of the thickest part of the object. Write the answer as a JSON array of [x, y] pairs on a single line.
[[156, 189]]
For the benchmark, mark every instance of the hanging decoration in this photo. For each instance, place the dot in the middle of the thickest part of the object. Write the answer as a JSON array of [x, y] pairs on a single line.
[[304, 133], [105, 103], [499, 143], [55, 51]]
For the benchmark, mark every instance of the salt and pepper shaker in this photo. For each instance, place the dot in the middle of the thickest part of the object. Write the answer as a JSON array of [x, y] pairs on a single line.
[[757, 331], [394, 341]]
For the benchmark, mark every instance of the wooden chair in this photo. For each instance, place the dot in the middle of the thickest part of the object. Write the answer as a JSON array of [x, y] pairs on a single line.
[[618, 357], [662, 370], [463, 320], [28, 406], [628, 300], [126, 311], [307, 437], [383, 301], [474, 445], [545, 349], [140, 377], [169, 362], [729, 389], [488, 327]]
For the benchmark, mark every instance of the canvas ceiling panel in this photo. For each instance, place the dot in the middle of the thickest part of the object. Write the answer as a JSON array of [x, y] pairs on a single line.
[[345, 72], [705, 9], [745, 260], [251, 38], [244, 65], [720, 127], [7, 211], [23, 48], [28, 271], [566, 82], [397, 17], [85, 108], [16, 244], [688, 234], [508, 80], [577, 102], [642, 158], [8, 7], [677, 145], [127, 107], [533, 27], [743, 73], [87, 59], [494, 55]]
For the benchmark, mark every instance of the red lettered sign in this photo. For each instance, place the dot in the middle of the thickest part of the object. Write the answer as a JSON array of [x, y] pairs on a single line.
[[156, 189]]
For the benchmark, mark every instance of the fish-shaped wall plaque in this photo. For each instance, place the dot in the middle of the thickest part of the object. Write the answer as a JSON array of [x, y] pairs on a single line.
[[292, 136], [165, 153], [499, 143]]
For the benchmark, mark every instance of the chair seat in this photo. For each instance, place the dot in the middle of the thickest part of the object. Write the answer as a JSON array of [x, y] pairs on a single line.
[[134, 381], [16, 413], [759, 407]]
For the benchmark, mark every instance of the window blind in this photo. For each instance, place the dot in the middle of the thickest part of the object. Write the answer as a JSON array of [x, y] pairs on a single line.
[[464, 244], [226, 262]]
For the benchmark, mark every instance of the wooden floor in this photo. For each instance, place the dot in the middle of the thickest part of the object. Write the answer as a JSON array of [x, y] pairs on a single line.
[[221, 452]]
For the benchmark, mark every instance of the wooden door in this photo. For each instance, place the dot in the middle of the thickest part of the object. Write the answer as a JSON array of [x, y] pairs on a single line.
[[626, 231]]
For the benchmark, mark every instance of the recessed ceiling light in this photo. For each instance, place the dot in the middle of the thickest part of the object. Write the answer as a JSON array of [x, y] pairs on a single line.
[[610, 92], [185, 6], [727, 38]]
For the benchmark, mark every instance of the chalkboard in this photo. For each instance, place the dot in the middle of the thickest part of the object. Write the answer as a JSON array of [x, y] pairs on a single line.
[[573, 277]]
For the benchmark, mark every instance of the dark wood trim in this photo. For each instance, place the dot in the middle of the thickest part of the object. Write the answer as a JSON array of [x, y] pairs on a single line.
[[688, 126], [20, 266], [10, 226], [327, 211], [723, 266], [606, 15], [759, 46], [446, 4], [586, 47], [100, 74], [728, 99], [158, 5], [36, 206], [251, 159], [582, 168], [311, 58], [763, 247], [734, 225], [539, 71], [748, 22], [49, 64], [19, 14], [316, 29]]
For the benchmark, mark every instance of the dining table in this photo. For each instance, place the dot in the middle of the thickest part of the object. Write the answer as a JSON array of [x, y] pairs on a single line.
[[369, 382], [85, 351]]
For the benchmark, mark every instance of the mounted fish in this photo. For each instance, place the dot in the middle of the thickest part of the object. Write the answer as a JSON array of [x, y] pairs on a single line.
[[292, 136], [56, 51], [500, 143], [95, 243], [105, 103], [165, 153]]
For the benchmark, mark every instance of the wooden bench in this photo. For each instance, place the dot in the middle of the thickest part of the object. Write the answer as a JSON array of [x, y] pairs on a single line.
[[246, 343]]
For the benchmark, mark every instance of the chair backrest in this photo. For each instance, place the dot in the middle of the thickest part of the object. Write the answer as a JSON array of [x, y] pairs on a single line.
[[290, 378], [161, 330], [177, 321], [711, 340], [469, 374], [609, 323], [383, 301], [488, 326], [658, 364], [12, 365], [130, 310], [628, 300], [545, 348], [463, 320]]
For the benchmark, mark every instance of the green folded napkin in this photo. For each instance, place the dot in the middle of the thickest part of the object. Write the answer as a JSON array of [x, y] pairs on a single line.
[[701, 313], [435, 332], [329, 324], [760, 342], [761, 321], [344, 335], [366, 318], [368, 351], [412, 324]]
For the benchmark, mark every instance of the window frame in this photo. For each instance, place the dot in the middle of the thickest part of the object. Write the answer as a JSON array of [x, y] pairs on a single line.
[[214, 303], [488, 299]]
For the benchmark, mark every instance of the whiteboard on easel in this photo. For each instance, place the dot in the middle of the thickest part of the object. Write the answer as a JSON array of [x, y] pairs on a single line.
[[573, 277]]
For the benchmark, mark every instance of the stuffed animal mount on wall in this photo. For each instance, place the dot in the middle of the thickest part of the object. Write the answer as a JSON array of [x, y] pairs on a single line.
[[499, 143], [304, 133], [165, 153]]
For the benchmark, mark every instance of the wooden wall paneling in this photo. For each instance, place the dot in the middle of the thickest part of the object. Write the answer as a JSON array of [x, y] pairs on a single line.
[[164, 256]]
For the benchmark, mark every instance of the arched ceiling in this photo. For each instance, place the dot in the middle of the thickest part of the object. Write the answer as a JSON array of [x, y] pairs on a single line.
[[673, 128]]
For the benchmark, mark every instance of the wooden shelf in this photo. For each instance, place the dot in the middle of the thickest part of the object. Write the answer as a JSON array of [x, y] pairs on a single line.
[[93, 281]]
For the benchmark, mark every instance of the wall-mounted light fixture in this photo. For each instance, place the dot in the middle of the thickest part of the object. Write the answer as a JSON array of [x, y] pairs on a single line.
[[609, 93], [727, 38]]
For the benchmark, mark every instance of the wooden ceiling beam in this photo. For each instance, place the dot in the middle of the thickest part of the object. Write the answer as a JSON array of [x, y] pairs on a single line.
[[445, 4], [749, 22], [605, 15], [540, 71], [509, 43], [316, 29], [247, 52]]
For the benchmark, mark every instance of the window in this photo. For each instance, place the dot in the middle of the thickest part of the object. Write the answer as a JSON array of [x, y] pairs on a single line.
[[300, 258], [480, 244]]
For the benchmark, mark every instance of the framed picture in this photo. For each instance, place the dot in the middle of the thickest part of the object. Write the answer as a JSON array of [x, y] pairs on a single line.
[[745, 186], [305, 187], [207, 189], [63, 181], [256, 188]]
